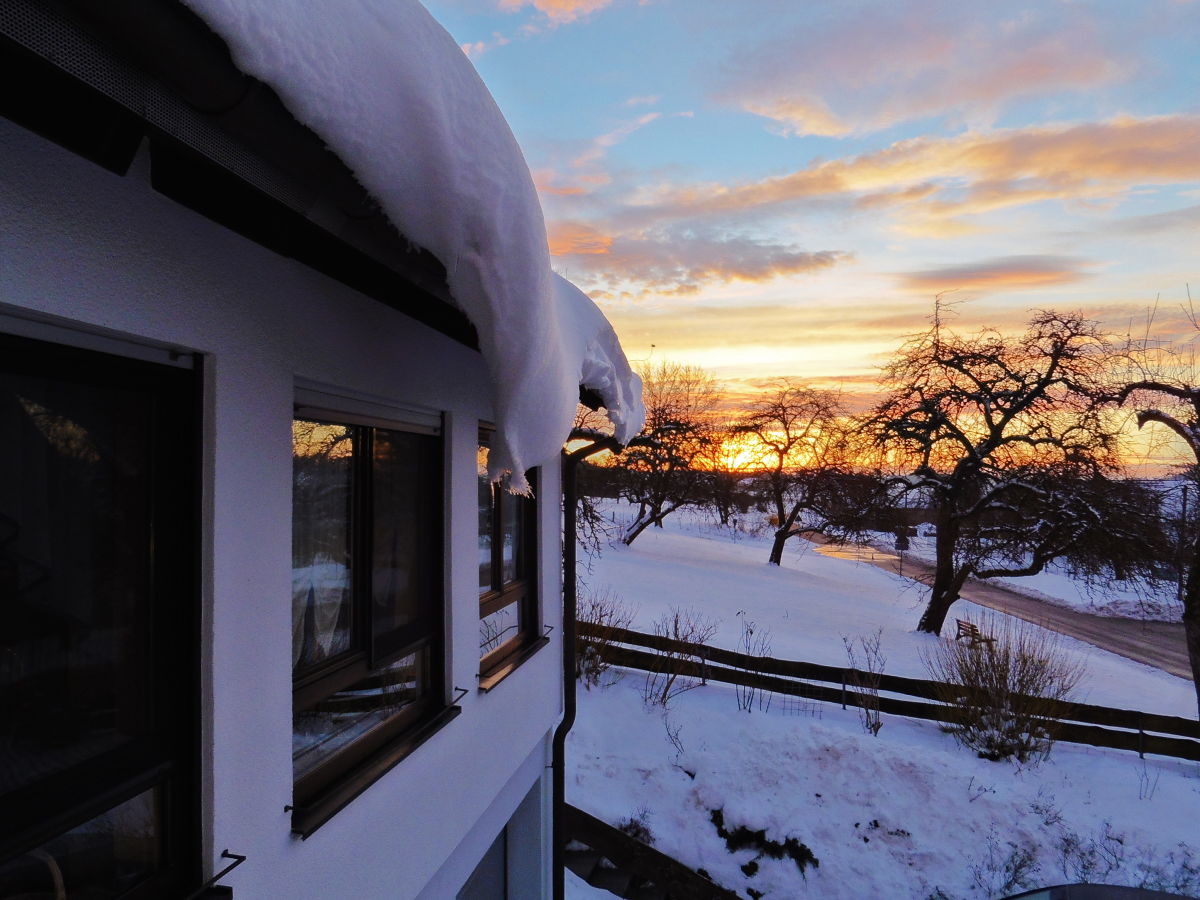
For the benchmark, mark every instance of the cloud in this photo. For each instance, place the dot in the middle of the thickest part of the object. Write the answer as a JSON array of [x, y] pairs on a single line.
[[943, 178], [1184, 218], [888, 64], [476, 49], [649, 100], [601, 145], [575, 239], [676, 264], [559, 12], [1005, 273]]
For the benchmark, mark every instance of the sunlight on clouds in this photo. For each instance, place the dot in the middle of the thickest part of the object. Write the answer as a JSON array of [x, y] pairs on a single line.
[[973, 172], [1010, 272], [912, 49], [799, 115], [558, 11], [567, 238]]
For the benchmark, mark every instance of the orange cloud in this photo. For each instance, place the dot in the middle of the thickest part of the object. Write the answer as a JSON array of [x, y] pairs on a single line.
[[971, 173], [912, 50], [558, 11], [545, 182], [570, 238], [476, 49], [1006, 272]]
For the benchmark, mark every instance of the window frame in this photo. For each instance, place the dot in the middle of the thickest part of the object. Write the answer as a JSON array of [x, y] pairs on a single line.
[[500, 661], [166, 760], [333, 783]]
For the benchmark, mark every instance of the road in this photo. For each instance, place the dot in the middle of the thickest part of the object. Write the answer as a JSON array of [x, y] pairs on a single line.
[[1158, 644]]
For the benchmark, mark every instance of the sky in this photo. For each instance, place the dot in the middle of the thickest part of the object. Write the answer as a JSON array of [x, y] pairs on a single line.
[[774, 188]]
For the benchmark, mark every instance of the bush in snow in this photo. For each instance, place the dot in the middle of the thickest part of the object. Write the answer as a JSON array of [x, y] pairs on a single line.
[[864, 676], [1000, 694], [637, 827], [664, 681], [755, 642], [1003, 870], [605, 612]]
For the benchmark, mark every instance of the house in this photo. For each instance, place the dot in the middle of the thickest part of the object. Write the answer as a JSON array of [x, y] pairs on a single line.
[[271, 628]]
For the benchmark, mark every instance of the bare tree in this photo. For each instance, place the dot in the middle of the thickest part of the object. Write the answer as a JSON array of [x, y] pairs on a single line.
[[799, 434], [1168, 395], [659, 471], [1009, 444]]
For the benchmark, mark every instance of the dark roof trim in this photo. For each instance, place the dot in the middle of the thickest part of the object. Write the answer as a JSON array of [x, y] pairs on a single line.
[[112, 73]]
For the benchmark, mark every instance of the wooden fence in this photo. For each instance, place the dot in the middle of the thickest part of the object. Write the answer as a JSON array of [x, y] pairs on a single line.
[[1079, 723]]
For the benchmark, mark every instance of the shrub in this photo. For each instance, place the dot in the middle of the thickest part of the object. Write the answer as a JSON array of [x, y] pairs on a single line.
[[637, 827], [864, 676], [755, 642], [664, 682], [605, 611], [1000, 694]]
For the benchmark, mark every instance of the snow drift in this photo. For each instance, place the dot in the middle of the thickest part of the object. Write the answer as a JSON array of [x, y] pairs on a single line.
[[392, 94]]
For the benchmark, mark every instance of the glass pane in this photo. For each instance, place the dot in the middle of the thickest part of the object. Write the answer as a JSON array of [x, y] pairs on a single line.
[[486, 521], [102, 858], [346, 716], [322, 497], [512, 521], [501, 626], [406, 485], [75, 573]]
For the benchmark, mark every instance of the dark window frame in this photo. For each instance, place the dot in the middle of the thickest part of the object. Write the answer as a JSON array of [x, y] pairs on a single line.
[[497, 663], [332, 784], [167, 760]]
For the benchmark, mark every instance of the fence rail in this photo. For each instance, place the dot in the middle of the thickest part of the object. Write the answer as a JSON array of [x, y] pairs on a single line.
[[1080, 723]]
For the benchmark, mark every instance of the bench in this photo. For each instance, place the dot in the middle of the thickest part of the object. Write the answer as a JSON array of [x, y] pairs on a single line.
[[971, 632]]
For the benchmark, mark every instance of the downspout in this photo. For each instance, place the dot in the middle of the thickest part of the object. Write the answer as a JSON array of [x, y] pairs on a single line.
[[570, 499], [570, 462]]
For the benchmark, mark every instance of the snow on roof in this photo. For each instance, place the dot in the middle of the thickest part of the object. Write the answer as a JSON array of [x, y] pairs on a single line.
[[393, 95]]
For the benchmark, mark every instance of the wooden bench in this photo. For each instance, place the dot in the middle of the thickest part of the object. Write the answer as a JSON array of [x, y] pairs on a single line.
[[971, 632]]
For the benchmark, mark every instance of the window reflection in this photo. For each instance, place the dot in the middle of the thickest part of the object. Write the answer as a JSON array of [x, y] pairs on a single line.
[[102, 858], [344, 717], [322, 479]]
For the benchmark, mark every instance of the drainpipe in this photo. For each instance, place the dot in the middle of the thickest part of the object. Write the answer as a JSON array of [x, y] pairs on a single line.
[[570, 462]]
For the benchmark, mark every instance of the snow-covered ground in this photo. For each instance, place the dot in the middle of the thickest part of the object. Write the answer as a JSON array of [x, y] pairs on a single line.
[[905, 814], [1056, 585]]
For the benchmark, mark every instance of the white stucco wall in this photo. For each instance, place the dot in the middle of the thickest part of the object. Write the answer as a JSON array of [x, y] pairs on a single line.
[[89, 247]]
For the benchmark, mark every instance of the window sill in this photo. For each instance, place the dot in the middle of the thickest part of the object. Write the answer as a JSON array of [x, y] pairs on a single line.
[[308, 818], [510, 664]]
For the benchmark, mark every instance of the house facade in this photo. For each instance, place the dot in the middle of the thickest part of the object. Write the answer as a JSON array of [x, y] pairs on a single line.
[[263, 606]]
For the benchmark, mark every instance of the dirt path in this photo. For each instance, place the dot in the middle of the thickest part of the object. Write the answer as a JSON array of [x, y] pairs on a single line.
[[1158, 644]]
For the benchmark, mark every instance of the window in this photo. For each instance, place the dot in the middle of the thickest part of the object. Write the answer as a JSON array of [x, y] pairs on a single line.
[[367, 646], [99, 631], [508, 613]]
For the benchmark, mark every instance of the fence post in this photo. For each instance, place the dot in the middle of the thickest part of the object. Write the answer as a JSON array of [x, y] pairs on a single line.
[[843, 688]]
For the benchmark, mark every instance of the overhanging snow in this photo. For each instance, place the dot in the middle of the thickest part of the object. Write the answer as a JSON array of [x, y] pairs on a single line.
[[392, 94]]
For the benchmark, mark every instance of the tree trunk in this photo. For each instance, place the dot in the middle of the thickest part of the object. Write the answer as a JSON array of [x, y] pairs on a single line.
[[781, 535], [651, 514], [946, 581]]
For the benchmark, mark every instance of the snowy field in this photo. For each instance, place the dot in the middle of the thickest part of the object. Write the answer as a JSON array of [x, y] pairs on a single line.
[[905, 814]]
